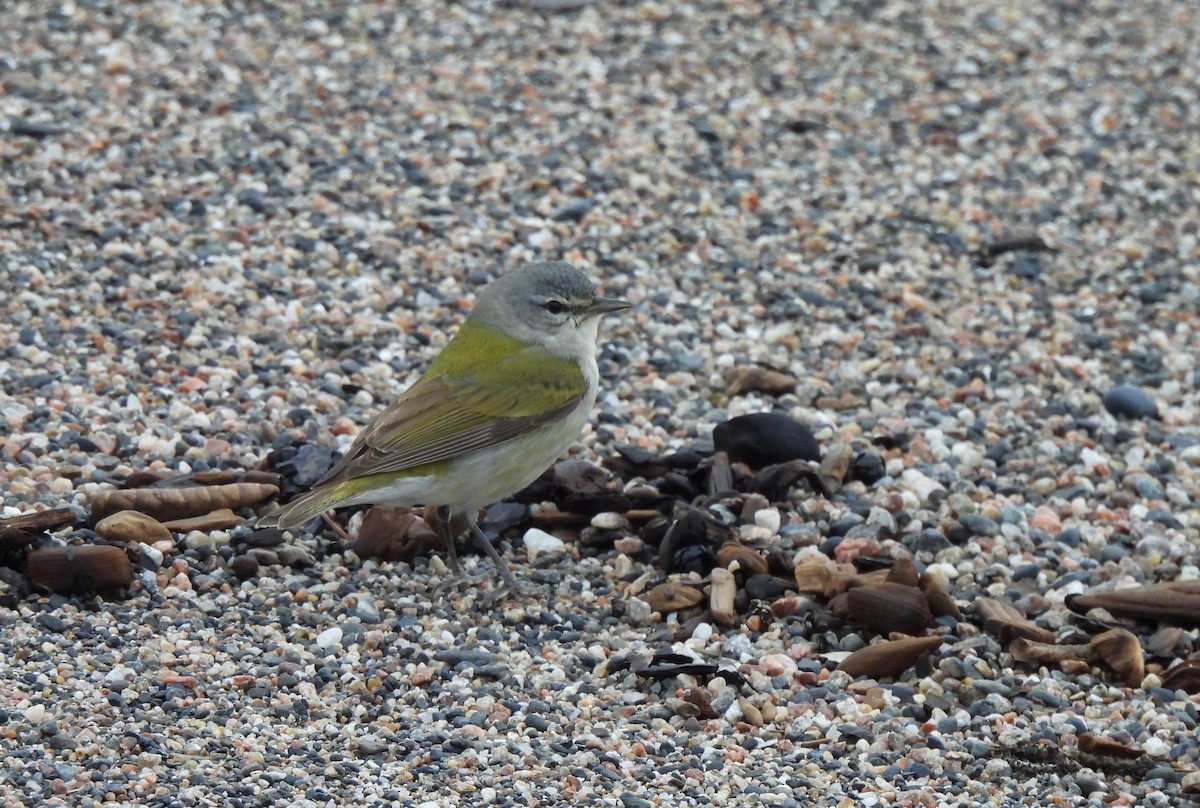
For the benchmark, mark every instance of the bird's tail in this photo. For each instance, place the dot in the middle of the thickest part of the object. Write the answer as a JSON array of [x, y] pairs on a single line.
[[304, 507]]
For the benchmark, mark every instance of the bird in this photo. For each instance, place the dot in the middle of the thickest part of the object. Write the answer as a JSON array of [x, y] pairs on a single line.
[[495, 408]]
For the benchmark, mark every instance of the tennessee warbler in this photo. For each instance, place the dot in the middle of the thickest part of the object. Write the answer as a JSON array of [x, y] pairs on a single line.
[[494, 409]]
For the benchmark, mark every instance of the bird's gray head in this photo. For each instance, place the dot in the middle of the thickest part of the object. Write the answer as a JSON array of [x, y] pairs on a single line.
[[551, 304]]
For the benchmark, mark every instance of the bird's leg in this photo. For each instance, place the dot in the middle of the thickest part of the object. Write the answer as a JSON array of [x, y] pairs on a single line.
[[327, 517], [509, 579], [449, 536]]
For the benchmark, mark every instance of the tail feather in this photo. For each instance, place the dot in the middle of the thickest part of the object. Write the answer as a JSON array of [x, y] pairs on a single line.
[[305, 507]]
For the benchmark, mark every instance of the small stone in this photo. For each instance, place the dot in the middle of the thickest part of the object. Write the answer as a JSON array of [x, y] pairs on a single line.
[[132, 526], [777, 665], [768, 519], [329, 638], [924, 486], [201, 543], [1125, 401], [610, 520], [244, 566], [629, 545], [539, 542], [1045, 519], [638, 611]]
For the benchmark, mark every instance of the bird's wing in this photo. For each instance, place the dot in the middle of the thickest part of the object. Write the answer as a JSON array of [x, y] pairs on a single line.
[[455, 409]]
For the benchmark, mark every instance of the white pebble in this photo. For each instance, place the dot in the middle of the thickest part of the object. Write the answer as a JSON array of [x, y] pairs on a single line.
[[329, 637], [702, 632], [538, 541], [768, 518]]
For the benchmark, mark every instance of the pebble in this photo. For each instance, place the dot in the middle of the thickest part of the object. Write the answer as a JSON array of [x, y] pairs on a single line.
[[539, 542], [329, 638], [308, 208]]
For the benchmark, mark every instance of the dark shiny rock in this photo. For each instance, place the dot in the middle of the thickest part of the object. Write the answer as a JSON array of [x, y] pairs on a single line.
[[765, 439], [1125, 401], [867, 467]]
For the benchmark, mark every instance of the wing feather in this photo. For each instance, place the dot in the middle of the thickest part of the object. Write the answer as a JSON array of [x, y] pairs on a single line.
[[451, 412]]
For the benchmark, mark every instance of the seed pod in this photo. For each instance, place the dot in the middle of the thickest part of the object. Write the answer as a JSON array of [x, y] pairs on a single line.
[[888, 658], [903, 571], [180, 503], [889, 607]]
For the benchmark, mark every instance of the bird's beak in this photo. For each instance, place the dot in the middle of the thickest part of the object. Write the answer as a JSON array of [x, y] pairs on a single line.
[[604, 305]]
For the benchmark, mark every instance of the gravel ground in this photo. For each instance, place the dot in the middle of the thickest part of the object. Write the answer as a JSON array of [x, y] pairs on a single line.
[[225, 227]]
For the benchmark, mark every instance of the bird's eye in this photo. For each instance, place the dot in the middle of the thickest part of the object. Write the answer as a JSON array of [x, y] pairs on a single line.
[[555, 306]]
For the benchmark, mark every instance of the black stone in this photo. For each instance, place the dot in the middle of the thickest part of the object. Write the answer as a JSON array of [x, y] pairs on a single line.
[[1125, 401], [765, 439]]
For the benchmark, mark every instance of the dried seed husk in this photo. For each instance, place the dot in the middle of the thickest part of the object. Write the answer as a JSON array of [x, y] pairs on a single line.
[[673, 596], [942, 604], [1008, 631], [1026, 650], [394, 534], [1163, 642], [833, 468], [1172, 602], [79, 568], [1185, 676], [759, 377], [1004, 621], [889, 608], [1122, 652], [991, 608], [749, 560], [889, 658], [903, 571], [217, 520]]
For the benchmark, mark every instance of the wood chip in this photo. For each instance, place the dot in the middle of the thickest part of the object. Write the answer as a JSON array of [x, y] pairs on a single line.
[[817, 579], [79, 568], [18, 531]]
